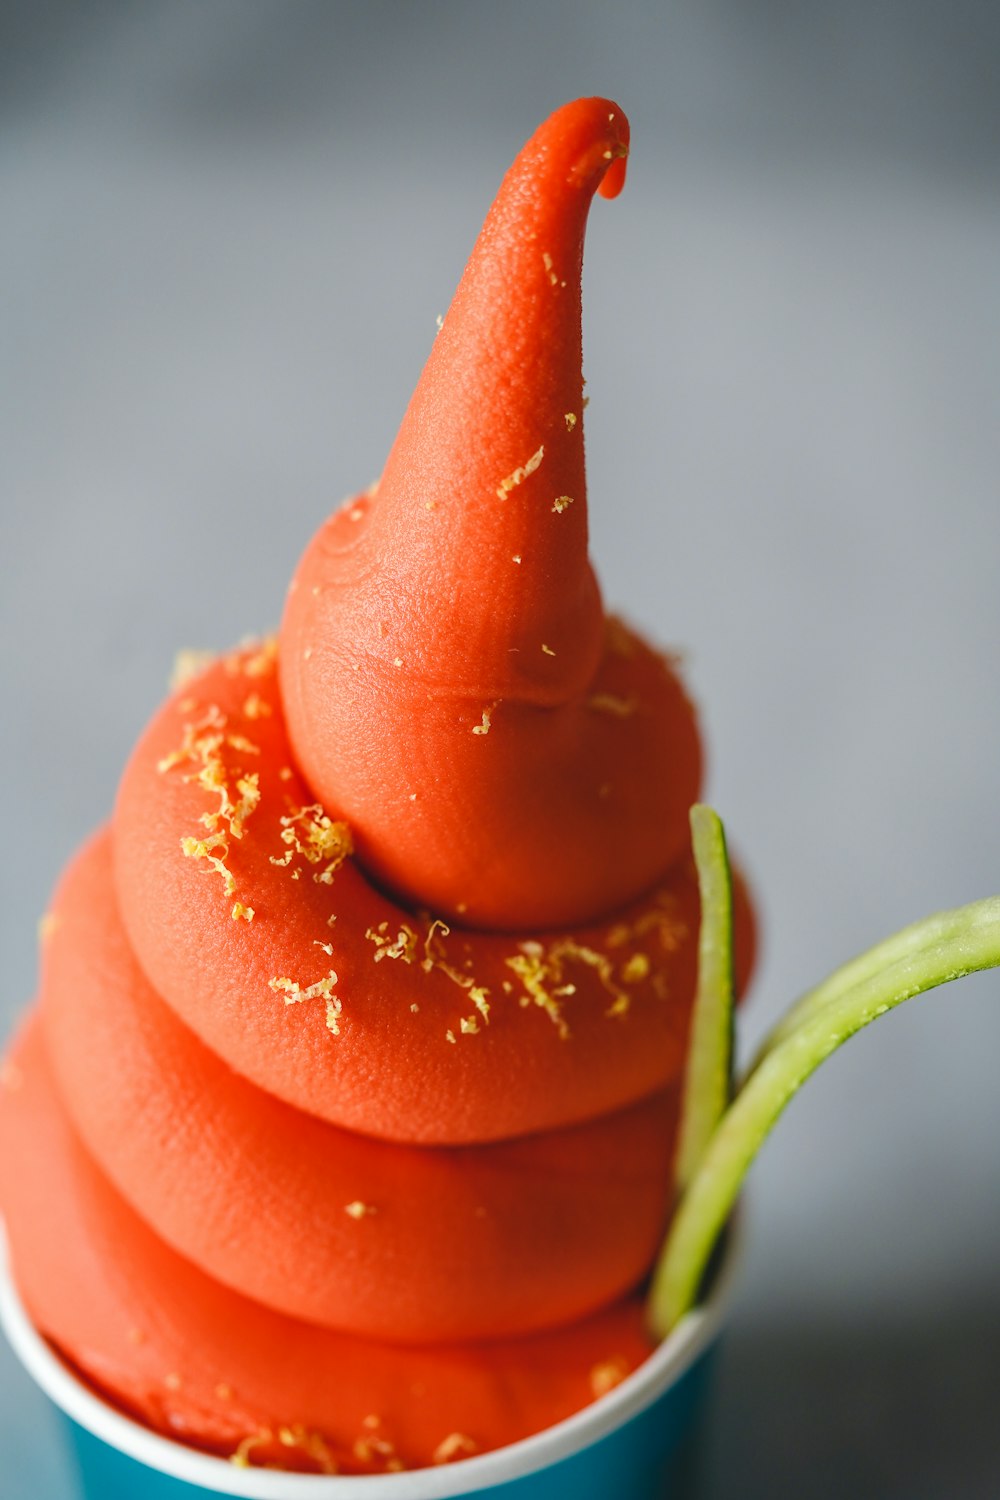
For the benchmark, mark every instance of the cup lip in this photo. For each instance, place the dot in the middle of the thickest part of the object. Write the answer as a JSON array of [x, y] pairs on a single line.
[[639, 1390]]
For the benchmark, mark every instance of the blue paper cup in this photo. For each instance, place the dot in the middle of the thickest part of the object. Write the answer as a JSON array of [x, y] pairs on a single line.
[[639, 1442]]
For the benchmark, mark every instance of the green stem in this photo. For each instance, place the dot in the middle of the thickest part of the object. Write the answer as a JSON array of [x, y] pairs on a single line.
[[933, 952], [708, 1075], [903, 944]]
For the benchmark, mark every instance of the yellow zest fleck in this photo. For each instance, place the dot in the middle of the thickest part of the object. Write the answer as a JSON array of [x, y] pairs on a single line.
[[241, 1458], [311, 1444], [469, 1026], [398, 662], [415, 1008], [449, 1036], [203, 749], [239, 910], [357, 1209], [403, 946], [536, 975], [203, 849], [294, 993], [483, 727], [570, 420], [609, 703], [256, 707], [286, 773], [609, 1373], [435, 957], [662, 919], [516, 558], [434, 944], [188, 664], [636, 969], [318, 839], [547, 263], [542, 972], [657, 921], [520, 474], [354, 515], [406, 947], [455, 1445], [326, 947], [548, 650], [561, 503], [264, 660], [374, 1445], [439, 320], [236, 814]]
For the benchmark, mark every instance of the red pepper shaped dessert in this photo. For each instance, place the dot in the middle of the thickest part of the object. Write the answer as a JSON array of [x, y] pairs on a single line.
[[362, 1027]]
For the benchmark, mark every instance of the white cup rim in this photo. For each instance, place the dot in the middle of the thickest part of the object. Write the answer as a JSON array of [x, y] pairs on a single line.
[[633, 1395]]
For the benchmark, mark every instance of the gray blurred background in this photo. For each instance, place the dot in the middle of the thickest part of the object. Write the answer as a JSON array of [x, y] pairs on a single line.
[[226, 230]]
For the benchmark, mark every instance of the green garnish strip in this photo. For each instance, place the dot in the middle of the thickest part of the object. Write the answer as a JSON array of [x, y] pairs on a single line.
[[902, 945], [930, 953], [708, 1076]]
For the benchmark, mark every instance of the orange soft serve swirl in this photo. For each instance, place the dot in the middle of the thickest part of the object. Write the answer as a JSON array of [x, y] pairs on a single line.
[[370, 1008]]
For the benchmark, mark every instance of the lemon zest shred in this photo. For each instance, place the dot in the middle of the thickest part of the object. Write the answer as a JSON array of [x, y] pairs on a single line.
[[256, 707], [406, 947], [483, 727], [610, 703], [188, 663], [240, 1459], [520, 474], [263, 661], [311, 1444], [607, 1374], [372, 1445], [636, 968], [202, 748], [294, 992], [455, 1445], [319, 839]]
